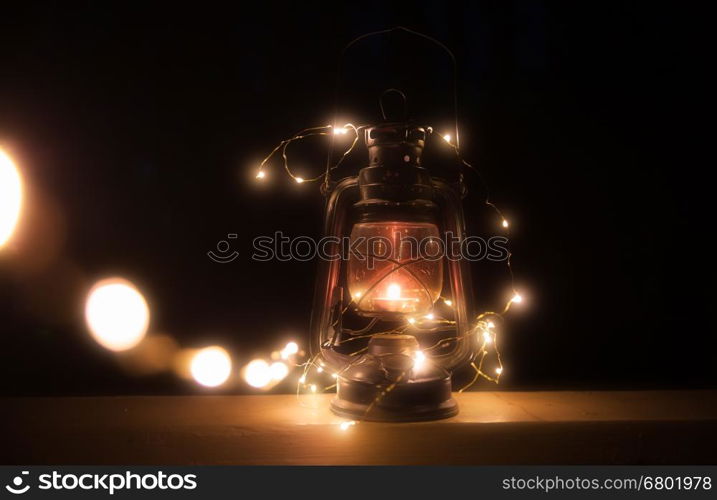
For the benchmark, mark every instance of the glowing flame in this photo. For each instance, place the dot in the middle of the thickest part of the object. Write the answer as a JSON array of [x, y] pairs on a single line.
[[393, 292], [211, 366], [258, 373], [10, 197], [116, 314]]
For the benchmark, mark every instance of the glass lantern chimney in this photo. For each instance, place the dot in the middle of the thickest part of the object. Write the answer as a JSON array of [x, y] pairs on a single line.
[[395, 265], [387, 273]]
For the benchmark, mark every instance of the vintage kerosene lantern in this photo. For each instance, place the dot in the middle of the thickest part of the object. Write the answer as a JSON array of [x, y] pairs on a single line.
[[399, 215]]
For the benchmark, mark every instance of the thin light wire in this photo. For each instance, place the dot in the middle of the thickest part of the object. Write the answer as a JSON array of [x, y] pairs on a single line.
[[480, 326]]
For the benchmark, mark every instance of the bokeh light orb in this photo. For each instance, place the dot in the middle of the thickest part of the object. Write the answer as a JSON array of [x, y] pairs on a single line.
[[278, 371], [258, 373], [116, 314], [211, 366], [289, 350], [10, 197]]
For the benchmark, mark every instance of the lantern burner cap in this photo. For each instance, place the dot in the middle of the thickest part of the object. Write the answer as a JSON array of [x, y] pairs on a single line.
[[396, 133], [394, 172]]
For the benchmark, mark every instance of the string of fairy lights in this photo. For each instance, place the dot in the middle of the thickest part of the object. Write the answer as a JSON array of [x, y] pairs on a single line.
[[118, 316], [484, 327]]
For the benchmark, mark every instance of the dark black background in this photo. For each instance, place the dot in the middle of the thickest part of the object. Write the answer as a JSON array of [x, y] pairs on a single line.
[[139, 131]]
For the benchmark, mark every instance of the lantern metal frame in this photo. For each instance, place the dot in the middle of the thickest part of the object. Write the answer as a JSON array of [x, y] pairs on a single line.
[[412, 398]]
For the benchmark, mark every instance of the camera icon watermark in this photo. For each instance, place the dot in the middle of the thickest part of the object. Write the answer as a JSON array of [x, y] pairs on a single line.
[[16, 487], [223, 254]]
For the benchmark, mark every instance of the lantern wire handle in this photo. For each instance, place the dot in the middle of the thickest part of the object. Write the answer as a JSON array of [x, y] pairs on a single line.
[[337, 90], [396, 91]]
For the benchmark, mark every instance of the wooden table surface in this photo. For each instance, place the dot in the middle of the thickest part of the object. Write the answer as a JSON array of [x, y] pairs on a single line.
[[617, 427]]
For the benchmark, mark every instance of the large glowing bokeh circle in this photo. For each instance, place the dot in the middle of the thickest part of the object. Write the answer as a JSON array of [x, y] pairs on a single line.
[[211, 366], [10, 197], [117, 314]]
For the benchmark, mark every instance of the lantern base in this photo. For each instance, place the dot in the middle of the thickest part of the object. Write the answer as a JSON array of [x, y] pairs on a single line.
[[378, 413], [387, 385]]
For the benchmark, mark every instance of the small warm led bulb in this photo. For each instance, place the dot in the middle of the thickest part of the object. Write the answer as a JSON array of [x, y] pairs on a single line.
[[499, 370], [320, 370], [313, 388], [430, 316], [418, 359], [505, 223], [302, 379], [299, 180], [517, 298], [487, 337], [447, 138], [448, 302], [340, 131], [491, 324], [335, 375], [411, 320], [345, 425], [260, 174]]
